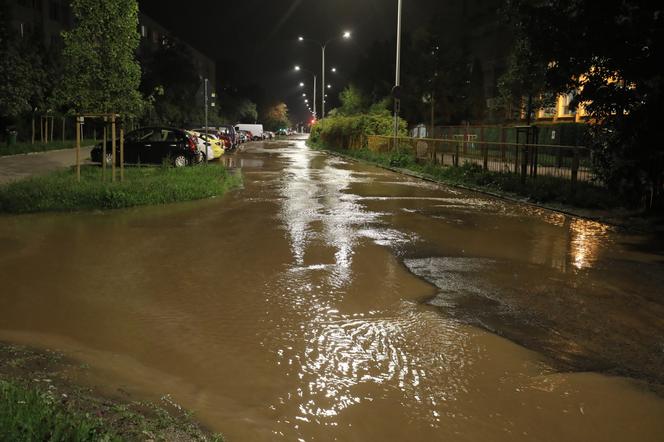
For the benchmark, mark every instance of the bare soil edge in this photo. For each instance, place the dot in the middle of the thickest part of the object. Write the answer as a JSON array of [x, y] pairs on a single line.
[[130, 419]]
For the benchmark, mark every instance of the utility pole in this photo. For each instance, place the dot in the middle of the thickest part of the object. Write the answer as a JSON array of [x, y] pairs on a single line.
[[206, 120], [322, 112], [397, 82]]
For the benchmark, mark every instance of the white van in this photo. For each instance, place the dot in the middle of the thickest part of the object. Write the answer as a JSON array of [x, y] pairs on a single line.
[[256, 130]]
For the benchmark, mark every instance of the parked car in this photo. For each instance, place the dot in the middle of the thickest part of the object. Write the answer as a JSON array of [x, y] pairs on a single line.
[[152, 145], [232, 133], [211, 145]]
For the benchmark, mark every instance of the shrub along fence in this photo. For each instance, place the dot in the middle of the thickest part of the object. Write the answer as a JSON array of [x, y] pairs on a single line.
[[571, 163]]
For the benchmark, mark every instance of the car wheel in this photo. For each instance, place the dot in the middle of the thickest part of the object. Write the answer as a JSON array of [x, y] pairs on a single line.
[[180, 161], [200, 157]]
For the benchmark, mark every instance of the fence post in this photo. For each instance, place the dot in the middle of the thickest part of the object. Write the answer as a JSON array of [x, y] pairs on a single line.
[[456, 156], [575, 170], [533, 167], [524, 165]]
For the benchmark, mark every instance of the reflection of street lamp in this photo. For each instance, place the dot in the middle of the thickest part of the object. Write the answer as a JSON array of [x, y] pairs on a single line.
[[346, 35], [300, 68]]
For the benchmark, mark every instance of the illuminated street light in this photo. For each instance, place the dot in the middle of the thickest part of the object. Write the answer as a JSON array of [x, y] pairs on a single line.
[[329, 86], [333, 70], [345, 36], [299, 68]]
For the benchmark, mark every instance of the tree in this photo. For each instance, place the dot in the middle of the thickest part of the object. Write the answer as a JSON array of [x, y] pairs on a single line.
[[101, 73], [172, 83], [525, 79], [21, 72], [353, 101], [610, 55], [276, 117], [246, 112]]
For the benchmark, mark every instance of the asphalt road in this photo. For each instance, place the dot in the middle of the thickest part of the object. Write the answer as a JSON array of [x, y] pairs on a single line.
[[17, 167]]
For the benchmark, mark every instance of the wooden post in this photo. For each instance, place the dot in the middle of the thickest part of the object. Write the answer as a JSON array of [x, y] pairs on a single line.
[[63, 130], [103, 151], [122, 154], [113, 147], [33, 128], [78, 148], [52, 126]]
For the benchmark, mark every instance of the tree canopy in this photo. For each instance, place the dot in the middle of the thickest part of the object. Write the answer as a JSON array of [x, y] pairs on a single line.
[[101, 73], [609, 55]]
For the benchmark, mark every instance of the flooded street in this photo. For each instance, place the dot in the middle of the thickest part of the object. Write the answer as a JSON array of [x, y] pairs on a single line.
[[328, 300]]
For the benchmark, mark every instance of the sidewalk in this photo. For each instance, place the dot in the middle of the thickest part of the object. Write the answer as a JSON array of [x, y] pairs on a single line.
[[17, 167]]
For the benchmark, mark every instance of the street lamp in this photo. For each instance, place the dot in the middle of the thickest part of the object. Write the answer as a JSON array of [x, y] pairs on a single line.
[[333, 70], [300, 68], [397, 81], [345, 36]]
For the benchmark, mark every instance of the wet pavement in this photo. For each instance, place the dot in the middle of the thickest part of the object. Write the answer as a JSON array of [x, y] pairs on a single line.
[[17, 167], [328, 300]]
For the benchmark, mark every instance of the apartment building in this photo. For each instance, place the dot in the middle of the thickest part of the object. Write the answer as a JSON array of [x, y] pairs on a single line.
[[50, 17]]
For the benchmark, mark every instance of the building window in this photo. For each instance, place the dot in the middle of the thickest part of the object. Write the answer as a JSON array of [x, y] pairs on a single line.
[[567, 99]]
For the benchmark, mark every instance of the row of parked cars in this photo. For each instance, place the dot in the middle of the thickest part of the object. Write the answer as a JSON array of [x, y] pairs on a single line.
[[181, 147]]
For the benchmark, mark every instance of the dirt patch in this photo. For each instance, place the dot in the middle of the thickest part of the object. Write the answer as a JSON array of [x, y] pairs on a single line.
[[64, 380]]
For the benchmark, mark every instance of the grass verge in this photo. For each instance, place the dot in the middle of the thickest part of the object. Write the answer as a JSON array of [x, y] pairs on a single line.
[[21, 148], [543, 189], [30, 414], [42, 398], [59, 191]]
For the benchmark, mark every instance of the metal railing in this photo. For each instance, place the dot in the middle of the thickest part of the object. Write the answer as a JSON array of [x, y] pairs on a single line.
[[572, 163]]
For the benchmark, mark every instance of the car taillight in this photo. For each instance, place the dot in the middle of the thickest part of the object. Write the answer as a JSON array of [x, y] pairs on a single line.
[[192, 144]]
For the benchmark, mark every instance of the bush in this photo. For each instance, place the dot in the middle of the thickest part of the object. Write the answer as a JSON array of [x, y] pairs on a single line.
[[344, 132]]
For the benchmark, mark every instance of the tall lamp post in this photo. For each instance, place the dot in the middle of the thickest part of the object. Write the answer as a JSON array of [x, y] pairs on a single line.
[[298, 69], [397, 81], [323, 45]]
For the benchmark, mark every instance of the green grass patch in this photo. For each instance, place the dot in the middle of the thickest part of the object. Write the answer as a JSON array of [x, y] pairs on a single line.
[[32, 415], [21, 148], [59, 191], [543, 189]]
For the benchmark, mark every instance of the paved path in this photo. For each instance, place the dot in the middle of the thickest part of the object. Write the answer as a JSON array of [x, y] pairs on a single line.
[[16, 167]]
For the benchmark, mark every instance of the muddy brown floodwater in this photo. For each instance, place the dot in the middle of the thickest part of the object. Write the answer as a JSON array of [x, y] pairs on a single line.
[[329, 300]]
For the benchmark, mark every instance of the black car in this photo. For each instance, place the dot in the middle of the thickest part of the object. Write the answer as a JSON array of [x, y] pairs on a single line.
[[152, 145]]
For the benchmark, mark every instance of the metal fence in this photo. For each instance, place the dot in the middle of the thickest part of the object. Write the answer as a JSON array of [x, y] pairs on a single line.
[[571, 163]]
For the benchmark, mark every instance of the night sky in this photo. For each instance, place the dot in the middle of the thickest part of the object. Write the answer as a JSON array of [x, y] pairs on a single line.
[[255, 41]]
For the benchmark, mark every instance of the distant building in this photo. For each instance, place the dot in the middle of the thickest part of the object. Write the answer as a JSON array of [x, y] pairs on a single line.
[[488, 43], [51, 17]]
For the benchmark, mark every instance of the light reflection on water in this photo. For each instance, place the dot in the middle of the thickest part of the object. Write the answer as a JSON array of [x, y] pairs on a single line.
[[299, 322]]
